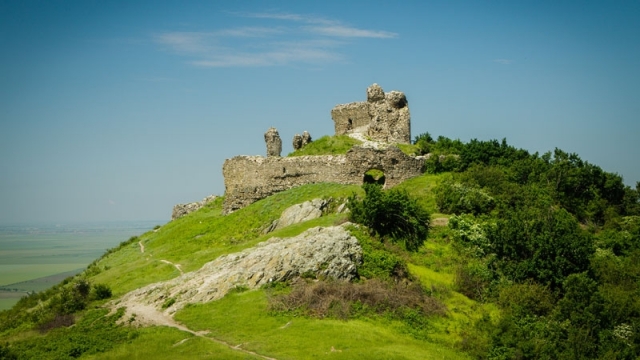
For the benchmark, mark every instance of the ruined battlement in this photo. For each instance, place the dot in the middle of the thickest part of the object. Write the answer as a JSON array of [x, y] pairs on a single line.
[[383, 118], [251, 178]]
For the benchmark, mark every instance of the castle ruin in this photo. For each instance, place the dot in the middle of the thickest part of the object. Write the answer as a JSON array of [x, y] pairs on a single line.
[[383, 118]]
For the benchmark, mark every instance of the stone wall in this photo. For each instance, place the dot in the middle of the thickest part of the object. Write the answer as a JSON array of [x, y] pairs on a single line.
[[383, 117], [251, 178]]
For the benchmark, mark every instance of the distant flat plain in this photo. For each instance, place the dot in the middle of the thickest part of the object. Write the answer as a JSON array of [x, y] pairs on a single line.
[[34, 257]]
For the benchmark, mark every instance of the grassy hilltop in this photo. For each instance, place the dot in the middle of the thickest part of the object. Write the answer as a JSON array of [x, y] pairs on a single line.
[[527, 256]]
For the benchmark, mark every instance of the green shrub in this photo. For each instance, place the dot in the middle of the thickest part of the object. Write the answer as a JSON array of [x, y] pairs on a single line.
[[472, 279], [6, 353], [82, 287], [455, 198], [391, 213], [438, 163], [101, 291], [68, 301], [545, 245], [423, 142], [470, 233], [377, 262], [96, 332], [527, 299]]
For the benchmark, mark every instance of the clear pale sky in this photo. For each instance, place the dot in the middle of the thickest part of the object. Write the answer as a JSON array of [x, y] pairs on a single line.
[[117, 110]]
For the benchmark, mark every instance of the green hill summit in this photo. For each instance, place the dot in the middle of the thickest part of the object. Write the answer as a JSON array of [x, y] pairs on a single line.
[[365, 245]]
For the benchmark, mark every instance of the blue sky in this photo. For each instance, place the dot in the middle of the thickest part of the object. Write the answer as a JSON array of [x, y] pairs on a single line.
[[118, 110]]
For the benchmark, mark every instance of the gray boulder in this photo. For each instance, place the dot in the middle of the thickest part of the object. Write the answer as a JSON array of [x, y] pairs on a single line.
[[298, 213]]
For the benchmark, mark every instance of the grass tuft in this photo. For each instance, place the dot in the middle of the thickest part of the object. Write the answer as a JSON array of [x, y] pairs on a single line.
[[328, 145]]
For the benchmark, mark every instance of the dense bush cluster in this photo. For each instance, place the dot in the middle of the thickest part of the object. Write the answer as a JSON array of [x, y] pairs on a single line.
[[457, 198], [554, 240], [54, 307], [391, 214]]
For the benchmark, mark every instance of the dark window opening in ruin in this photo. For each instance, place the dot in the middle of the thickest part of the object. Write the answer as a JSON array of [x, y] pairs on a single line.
[[349, 124], [374, 176]]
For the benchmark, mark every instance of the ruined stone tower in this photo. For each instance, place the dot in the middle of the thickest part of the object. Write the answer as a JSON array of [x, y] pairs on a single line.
[[274, 143], [383, 117]]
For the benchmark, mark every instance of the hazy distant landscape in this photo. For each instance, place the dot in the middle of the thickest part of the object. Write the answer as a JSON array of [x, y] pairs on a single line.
[[33, 257]]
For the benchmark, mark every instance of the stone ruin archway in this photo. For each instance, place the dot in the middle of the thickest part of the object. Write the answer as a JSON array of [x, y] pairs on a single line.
[[374, 176]]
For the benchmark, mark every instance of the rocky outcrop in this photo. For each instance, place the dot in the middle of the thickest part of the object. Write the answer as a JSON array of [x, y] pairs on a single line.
[[383, 117], [181, 210], [298, 213], [274, 143], [330, 252], [250, 178]]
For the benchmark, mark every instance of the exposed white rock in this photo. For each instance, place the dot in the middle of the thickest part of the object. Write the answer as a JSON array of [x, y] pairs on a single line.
[[298, 213], [329, 251]]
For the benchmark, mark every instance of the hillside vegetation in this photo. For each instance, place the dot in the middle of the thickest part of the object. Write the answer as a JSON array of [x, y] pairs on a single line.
[[496, 254]]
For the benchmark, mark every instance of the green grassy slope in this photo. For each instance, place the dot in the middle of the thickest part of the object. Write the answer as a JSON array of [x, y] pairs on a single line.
[[202, 236], [243, 318]]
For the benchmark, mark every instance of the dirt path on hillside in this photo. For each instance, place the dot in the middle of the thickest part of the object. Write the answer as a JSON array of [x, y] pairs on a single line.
[[141, 246], [276, 259], [177, 266], [146, 315]]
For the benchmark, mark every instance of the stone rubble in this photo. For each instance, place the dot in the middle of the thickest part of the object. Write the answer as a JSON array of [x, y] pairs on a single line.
[[181, 210]]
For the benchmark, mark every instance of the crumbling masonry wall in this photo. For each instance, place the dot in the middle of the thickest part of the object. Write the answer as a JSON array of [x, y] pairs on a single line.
[[383, 117], [251, 178]]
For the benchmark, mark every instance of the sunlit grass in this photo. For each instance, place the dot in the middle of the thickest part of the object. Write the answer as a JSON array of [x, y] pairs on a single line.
[[327, 145], [159, 342], [421, 187], [409, 149], [243, 318], [204, 235]]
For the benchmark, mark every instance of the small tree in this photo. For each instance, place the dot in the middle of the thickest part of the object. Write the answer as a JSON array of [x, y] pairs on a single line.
[[392, 214], [101, 291]]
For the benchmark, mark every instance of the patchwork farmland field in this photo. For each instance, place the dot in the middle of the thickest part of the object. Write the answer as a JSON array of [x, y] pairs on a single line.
[[34, 257]]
